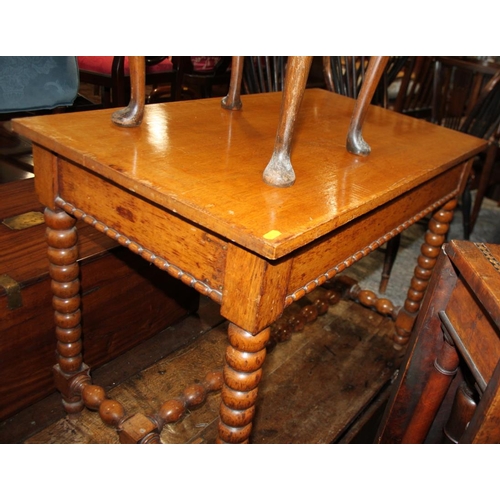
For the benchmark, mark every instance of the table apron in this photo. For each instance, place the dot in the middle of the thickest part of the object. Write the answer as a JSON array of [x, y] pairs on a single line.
[[331, 254], [200, 258], [178, 246]]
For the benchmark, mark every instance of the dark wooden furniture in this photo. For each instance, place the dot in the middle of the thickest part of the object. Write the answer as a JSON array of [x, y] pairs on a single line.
[[415, 93], [263, 74], [124, 298], [345, 75], [467, 98], [449, 385], [198, 77], [185, 192], [200, 82]]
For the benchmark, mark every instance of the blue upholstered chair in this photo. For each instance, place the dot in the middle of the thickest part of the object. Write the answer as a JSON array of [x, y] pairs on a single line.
[[32, 83]]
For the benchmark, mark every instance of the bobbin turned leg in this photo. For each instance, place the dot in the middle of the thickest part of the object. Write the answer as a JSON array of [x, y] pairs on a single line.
[[70, 372], [242, 373], [429, 252]]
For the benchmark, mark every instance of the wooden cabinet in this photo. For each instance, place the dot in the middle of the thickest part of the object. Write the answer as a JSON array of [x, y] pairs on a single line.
[[125, 299]]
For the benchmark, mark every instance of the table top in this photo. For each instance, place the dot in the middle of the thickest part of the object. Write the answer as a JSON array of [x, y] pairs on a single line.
[[205, 163]]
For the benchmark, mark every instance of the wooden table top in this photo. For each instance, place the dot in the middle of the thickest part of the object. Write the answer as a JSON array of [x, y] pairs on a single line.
[[205, 163]]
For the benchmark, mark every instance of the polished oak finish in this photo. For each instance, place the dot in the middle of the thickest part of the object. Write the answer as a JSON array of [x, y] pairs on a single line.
[[185, 192]]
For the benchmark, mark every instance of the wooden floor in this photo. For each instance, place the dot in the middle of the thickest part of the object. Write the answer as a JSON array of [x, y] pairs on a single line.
[[324, 385]]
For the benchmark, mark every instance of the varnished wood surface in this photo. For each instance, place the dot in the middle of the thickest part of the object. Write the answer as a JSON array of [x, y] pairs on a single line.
[[205, 163]]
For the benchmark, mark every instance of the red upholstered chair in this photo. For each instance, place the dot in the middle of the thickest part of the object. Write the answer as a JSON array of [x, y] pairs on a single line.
[[111, 74]]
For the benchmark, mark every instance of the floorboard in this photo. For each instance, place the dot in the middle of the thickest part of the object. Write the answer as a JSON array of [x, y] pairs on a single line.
[[315, 385]]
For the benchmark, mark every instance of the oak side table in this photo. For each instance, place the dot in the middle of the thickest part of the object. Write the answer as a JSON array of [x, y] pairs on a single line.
[[185, 191]]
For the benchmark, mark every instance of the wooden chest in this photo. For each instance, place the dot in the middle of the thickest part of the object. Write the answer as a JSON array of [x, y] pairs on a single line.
[[124, 300]]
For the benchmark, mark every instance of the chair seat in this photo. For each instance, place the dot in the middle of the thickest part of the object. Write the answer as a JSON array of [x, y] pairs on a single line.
[[112, 75], [103, 65]]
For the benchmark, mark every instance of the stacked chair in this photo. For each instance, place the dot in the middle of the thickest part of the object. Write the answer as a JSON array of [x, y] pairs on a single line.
[[461, 94]]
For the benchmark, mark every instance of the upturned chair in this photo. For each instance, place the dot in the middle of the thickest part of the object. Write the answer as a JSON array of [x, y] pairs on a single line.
[[462, 95], [279, 171], [448, 387]]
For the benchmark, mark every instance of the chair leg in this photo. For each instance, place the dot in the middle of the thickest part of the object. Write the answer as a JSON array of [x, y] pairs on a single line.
[[466, 216], [232, 101], [355, 143], [461, 413], [131, 116], [390, 256], [484, 180], [279, 171]]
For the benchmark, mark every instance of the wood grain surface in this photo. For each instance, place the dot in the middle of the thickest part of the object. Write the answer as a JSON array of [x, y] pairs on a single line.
[[205, 163]]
